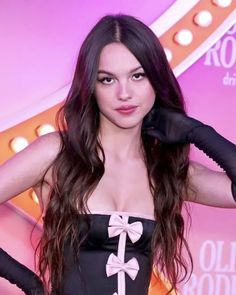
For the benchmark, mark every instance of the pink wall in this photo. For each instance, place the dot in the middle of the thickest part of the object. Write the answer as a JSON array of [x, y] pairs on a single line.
[[39, 43]]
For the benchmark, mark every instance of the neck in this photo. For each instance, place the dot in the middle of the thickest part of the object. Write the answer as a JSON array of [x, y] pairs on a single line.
[[121, 143]]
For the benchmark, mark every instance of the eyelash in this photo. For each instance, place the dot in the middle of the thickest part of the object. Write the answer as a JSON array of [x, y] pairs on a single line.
[[105, 78], [140, 74], [102, 80]]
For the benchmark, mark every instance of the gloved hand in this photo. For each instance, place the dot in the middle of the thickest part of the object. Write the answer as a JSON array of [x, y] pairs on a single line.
[[172, 127], [19, 274]]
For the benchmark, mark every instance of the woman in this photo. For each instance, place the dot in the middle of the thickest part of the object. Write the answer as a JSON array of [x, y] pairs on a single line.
[[113, 181]]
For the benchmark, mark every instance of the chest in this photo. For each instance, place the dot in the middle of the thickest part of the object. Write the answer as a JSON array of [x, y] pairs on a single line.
[[123, 187]]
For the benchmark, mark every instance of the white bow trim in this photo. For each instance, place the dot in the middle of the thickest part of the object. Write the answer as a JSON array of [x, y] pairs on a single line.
[[114, 265], [117, 225]]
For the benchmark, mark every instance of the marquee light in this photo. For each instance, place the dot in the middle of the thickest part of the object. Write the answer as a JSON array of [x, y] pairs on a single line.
[[222, 3], [18, 143], [34, 197], [44, 129], [203, 18], [169, 54], [183, 37]]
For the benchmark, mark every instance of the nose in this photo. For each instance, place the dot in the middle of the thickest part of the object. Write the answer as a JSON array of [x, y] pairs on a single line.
[[124, 92]]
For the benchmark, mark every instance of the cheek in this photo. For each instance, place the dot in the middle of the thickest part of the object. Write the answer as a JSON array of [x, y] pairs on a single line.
[[149, 101], [103, 94], [150, 97], [103, 101]]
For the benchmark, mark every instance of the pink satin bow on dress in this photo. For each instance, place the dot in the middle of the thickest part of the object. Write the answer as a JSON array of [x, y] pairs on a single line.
[[117, 226], [114, 265]]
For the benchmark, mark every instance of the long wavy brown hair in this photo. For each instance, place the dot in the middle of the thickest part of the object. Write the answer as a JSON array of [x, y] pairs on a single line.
[[78, 168]]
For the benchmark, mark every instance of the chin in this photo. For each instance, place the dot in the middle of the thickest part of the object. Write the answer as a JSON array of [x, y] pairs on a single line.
[[129, 125], [122, 123]]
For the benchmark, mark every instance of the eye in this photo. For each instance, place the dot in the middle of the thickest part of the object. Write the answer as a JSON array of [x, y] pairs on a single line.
[[138, 76], [106, 80]]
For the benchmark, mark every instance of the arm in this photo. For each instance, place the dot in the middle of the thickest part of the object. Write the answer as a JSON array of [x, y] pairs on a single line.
[[222, 151], [26, 168], [22, 171], [173, 127], [17, 273], [216, 191]]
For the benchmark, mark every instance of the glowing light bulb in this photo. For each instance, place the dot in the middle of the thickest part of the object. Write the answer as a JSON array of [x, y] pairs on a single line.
[[203, 18], [18, 143], [183, 37], [168, 53], [34, 197], [44, 129], [222, 3]]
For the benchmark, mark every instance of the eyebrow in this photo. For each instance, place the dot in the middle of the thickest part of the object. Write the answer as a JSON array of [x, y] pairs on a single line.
[[109, 73]]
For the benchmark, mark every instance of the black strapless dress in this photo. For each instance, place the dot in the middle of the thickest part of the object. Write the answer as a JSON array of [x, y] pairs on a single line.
[[115, 259]]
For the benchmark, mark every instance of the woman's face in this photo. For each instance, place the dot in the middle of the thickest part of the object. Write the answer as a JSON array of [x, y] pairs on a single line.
[[123, 92]]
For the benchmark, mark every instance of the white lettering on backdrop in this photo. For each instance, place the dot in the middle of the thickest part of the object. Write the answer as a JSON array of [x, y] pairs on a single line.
[[223, 54], [217, 261]]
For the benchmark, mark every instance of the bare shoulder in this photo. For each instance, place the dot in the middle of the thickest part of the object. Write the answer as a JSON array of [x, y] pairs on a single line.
[[26, 168], [41, 152], [49, 143]]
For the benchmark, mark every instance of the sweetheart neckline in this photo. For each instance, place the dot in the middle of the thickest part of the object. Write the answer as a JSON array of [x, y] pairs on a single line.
[[125, 213]]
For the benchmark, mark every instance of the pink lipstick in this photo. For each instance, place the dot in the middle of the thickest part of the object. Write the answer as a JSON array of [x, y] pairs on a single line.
[[127, 109]]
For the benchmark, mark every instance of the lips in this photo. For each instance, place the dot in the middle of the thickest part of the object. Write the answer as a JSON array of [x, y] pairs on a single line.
[[126, 108]]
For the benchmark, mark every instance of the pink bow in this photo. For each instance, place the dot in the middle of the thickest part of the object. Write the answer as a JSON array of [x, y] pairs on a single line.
[[114, 265], [117, 225]]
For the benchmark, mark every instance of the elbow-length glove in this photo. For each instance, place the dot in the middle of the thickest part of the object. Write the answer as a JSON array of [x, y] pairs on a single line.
[[18, 274], [173, 127]]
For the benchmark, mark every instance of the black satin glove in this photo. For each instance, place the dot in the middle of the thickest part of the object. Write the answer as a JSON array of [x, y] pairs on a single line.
[[19, 274], [172, 127]]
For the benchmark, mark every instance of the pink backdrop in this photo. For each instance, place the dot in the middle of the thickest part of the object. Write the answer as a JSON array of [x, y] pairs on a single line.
[[40, 41], [211, 97]]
